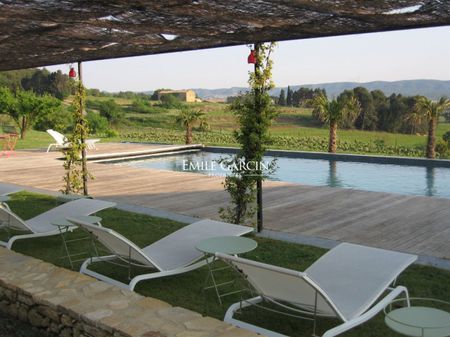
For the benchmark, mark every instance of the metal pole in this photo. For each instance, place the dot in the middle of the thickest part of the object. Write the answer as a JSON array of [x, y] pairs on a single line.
[[258, 92], [83, 136]]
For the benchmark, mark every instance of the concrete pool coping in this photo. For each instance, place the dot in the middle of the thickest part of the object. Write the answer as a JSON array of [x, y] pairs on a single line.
[[167, 149], [362, 158], [343, 157]]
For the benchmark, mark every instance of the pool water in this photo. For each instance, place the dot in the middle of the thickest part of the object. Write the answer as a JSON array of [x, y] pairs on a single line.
[[403, 179]]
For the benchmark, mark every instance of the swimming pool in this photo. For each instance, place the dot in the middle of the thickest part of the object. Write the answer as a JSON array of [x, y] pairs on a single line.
[[403, 179]]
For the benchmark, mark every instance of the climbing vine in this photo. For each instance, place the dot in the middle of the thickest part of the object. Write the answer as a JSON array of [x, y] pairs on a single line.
[[255, 113], [77, 175]]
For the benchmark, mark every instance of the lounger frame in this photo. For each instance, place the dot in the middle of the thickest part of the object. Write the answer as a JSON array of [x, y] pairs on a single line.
[[392, 293], [146, 260]]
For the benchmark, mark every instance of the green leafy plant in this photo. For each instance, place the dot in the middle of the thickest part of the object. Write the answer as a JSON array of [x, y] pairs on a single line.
[[97, 124], [170, 101], [112, 111], [77, 175], [431, 110], [446, 138], [255, 114]]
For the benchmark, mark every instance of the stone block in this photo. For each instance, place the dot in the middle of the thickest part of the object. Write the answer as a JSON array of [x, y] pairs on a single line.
[[178, 315], [49, 312], [66, 332], [237, 332], [67, 320], [25, 299], [152, 334], [22, 313], [204, 323], [189, 333], [4, 307], [98, 314], [37, 320], [54, 328], [148, 303]]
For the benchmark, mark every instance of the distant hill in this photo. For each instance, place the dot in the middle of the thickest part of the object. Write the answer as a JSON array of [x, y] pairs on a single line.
[[433, 89]]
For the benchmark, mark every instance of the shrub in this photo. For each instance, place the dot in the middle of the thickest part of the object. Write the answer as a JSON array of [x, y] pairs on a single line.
[[446, 138], [442, 148], [170, 102], [97, 124], [112, 111], [141, 106]]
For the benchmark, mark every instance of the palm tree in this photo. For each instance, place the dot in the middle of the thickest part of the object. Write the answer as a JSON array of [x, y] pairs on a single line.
[[431, 110], [333, 112], [188, 118], [415, 119]]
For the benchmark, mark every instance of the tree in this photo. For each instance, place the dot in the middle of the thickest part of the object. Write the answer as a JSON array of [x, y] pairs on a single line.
[[414, 119], [446, 115], [367, 119], [25, 107], [289, 96], [333, 112], [111, 111], [60, 85], [43, 82], [431, 110], [282, 98], [188, 117]]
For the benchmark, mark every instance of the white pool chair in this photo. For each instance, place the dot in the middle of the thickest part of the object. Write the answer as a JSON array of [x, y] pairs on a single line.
[[346, 283], [62, 142], [173, 254], [41, 225]]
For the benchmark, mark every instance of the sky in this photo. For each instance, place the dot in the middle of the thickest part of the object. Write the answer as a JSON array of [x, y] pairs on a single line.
[[389, 56]]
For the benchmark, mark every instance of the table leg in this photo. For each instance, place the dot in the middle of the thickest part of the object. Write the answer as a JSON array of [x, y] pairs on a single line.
[[63, 233], [215, 285]]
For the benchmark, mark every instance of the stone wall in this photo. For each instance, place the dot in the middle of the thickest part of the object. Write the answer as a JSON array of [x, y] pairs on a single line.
[[68, 303]]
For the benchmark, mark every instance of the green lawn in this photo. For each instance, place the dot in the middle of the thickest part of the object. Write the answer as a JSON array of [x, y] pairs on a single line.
[[185, 290]]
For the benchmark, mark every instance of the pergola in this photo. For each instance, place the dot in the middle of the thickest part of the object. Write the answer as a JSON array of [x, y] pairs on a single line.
[[45, 32]]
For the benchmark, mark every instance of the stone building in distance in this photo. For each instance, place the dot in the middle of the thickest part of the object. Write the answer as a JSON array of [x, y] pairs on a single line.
[[188, 96]]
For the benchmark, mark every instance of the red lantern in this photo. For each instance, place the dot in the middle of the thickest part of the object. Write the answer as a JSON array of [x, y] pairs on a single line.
[[252, 57], [72, 73]]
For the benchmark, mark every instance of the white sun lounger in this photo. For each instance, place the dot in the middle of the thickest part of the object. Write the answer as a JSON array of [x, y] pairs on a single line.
[[41, 225], [346, 283], [62, 142], [173, 254]]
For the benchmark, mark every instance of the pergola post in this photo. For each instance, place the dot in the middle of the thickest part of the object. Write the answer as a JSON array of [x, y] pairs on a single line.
[[258, 92], [83, 136]]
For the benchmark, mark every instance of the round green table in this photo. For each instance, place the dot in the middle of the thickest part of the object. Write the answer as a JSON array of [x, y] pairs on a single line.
[[419, 321], [232, 245]]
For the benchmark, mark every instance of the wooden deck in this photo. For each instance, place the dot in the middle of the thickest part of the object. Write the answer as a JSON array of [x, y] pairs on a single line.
[[413, 224]]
